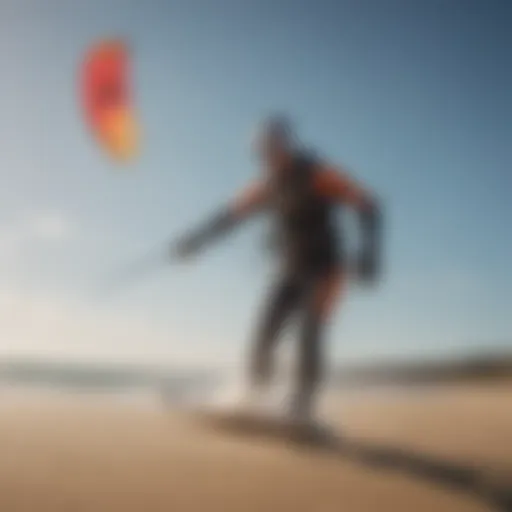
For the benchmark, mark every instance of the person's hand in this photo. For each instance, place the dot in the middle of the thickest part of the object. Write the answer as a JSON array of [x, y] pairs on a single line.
[[367, 271], [184, 248]]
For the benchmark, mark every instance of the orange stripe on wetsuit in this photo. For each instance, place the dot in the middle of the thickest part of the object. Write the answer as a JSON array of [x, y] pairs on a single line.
[[327, 182]]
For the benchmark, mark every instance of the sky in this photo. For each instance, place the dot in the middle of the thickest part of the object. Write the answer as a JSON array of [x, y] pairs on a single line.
[[413, 96]]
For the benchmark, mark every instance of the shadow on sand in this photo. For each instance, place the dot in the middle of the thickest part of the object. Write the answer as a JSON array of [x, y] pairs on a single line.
[[488, 486]]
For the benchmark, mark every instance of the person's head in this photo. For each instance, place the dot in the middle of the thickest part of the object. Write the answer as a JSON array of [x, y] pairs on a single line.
[[275, 141]]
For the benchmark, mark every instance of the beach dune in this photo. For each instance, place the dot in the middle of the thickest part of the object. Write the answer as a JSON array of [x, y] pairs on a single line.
[[448, 450]]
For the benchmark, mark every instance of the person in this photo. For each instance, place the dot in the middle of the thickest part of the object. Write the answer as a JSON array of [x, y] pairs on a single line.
[[300, 191]]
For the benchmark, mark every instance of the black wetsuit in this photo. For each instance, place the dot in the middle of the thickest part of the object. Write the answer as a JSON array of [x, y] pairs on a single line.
[[307, 249], [303, 221]]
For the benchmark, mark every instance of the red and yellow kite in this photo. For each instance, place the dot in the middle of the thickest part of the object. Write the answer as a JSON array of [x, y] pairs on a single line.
[[106, 98]]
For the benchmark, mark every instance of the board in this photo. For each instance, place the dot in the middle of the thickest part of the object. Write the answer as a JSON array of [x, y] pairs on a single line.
[[260, 424]]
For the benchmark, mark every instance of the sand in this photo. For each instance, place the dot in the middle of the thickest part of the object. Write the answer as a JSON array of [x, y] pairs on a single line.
[[445, 451]]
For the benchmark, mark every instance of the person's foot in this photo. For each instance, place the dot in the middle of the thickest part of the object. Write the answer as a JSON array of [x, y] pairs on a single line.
[[301, 409]]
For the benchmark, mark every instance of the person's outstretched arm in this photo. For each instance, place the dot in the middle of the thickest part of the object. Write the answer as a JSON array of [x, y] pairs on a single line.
[[248, 202], [338, 186]]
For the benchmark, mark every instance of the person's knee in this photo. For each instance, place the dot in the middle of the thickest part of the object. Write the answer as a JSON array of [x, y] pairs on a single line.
[[326, 294]]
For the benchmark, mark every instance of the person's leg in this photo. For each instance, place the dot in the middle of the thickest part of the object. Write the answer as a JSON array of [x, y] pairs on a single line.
[[282, 301], [321, 295]]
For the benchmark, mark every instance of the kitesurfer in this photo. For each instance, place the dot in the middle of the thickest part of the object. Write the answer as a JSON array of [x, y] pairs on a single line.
[[301, 192]]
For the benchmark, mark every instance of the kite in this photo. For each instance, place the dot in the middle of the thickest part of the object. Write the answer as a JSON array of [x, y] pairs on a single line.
[[107, 99]]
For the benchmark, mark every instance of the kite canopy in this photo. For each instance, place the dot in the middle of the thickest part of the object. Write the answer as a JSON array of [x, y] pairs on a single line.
[[106, 99]]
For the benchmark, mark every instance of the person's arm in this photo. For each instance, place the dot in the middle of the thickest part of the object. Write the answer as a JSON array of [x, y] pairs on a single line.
[[248, 202], [338, 186]]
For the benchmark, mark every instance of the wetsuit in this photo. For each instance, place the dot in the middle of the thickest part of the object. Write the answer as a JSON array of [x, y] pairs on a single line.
[[301, 199]]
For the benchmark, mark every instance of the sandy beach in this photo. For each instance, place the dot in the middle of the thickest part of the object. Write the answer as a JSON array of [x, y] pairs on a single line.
[[448, 450]]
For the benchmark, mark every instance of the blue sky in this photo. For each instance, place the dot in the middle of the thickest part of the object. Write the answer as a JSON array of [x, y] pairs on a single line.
[[413, 96]]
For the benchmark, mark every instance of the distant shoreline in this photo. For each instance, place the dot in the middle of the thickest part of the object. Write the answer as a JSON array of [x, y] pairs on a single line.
[[95, 376]]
